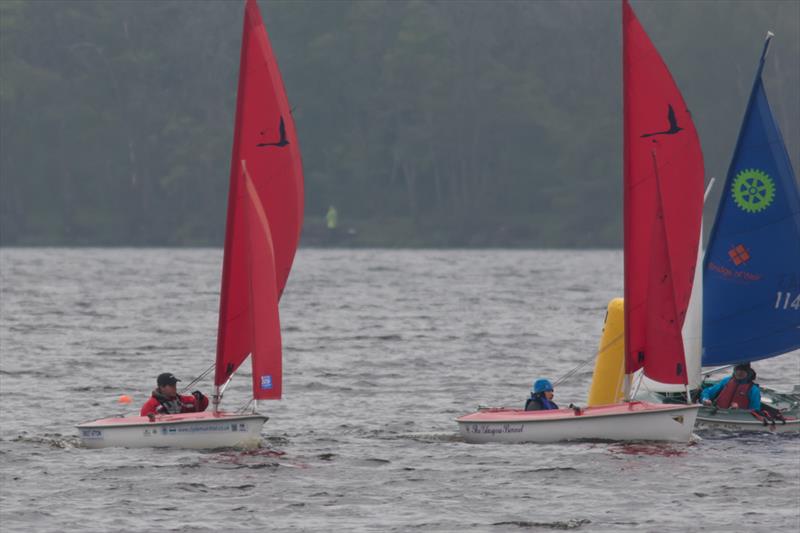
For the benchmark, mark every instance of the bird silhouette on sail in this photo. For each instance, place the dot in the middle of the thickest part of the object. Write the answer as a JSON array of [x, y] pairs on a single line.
[[283, 140], [673, 124]]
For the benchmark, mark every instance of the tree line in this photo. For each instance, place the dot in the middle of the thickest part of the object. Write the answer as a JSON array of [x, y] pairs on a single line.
[[429, 123]]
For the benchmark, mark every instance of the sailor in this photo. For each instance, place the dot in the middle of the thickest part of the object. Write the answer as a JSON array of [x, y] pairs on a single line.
[[166, 400], [541, 396], [735, 392]]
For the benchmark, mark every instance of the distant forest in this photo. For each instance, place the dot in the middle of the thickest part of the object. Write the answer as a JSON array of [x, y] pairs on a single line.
[[426, 123]]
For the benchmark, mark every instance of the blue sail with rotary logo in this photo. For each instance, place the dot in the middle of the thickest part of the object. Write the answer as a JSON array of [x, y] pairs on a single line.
[[751, 285]]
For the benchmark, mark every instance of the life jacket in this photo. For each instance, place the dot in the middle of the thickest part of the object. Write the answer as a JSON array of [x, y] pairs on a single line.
[[173, 406], [733, 391], [538, 402]]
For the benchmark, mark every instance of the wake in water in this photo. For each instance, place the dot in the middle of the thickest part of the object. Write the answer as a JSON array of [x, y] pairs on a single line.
[[252, 459], [52, 440], [557, 525]]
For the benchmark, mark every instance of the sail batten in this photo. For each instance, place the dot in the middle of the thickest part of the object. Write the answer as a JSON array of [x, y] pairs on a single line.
[[663, 191], [265, 213]]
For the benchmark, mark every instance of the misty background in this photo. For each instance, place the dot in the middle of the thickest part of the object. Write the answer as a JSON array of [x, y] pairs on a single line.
[[425, 123]]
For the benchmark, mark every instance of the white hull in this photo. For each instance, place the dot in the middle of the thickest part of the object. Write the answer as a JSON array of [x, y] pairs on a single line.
[[722, 420], [637, 421], [191, 430], [737, 420]]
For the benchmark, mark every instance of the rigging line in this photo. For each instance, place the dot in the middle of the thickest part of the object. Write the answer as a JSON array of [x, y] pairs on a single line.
[[198, 378], [572, 372], [244, 408], [715, 370]]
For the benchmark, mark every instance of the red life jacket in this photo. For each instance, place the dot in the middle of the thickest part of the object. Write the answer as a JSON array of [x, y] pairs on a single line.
[[735, 392]]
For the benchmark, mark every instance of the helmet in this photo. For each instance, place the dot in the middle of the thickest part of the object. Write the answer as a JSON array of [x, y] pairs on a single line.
[[542, 385]]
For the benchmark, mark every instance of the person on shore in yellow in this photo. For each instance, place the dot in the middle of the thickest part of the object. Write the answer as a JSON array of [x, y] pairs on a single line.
[[332, 218]]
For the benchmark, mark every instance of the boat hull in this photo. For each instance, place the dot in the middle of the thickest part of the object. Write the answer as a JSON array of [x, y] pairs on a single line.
[[205, 430], [736, 420], [741, 420], [634, 421]]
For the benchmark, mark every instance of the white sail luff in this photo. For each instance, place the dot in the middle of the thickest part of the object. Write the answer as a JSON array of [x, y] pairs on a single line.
[[693, 325]]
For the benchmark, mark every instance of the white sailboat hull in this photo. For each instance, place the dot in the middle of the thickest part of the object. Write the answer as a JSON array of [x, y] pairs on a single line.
[[205, 430], [634, 421], [737, 420]]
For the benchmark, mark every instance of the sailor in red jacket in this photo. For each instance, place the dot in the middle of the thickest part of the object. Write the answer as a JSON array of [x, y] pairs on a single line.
[[166, 400]]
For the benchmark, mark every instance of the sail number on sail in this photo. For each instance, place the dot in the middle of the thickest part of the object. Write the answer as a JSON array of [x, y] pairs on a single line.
[[787, 297]]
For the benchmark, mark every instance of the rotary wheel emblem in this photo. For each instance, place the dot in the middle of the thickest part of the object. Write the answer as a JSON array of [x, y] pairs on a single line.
[[753, 190]]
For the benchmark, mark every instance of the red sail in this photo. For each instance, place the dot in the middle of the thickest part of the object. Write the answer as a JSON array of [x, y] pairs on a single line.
[[265, 139], [663, 208], [265, 322]]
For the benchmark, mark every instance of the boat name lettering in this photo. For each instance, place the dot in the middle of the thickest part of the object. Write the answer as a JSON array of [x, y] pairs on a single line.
[[494, 429]]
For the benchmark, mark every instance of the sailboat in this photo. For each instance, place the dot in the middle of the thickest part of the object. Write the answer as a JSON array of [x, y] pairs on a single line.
[[751, 292], [749, 306], [264, 219], [663, 204]]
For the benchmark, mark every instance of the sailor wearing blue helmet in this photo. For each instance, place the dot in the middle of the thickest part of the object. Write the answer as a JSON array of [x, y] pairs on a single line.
[[541, 396]]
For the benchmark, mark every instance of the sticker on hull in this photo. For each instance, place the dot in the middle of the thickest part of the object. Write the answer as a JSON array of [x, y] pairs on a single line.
[[92, 434]]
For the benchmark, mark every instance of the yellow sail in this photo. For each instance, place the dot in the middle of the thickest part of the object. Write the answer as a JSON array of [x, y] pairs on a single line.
[[609, 368]]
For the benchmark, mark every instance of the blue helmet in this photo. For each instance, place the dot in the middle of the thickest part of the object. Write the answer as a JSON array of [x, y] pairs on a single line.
[[542, 385]]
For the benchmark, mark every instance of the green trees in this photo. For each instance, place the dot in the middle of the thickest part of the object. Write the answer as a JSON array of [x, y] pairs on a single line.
[[425, 123]]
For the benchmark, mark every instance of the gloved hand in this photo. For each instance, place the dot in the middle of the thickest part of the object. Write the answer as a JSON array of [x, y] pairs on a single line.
[[198, 400]]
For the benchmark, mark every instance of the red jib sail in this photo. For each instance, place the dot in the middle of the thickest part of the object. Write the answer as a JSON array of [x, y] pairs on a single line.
[[663, 208], [265, 322], [272, 186]]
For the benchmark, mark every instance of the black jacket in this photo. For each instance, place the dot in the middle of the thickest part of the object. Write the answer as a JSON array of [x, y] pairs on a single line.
[[535, 403]]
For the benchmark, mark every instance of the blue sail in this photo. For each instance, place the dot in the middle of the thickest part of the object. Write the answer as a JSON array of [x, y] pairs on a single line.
[[751, 286]]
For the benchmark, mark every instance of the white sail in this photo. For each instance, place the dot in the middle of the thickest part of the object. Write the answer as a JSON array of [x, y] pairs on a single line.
[[693, 325]]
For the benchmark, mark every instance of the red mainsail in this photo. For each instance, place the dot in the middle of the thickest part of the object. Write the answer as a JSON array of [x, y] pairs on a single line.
[[663, 208], [265, 215]]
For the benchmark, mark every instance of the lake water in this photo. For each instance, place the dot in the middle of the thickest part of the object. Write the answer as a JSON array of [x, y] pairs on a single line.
[[382, 351]]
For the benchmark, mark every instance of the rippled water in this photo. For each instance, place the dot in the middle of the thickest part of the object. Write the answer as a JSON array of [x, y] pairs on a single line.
[[383, 349]]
